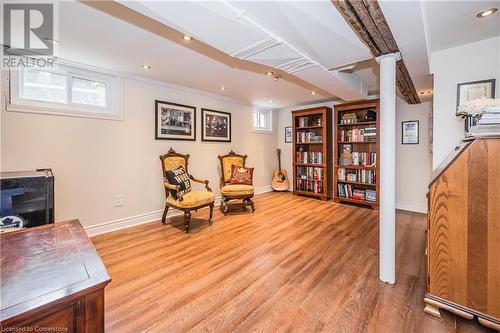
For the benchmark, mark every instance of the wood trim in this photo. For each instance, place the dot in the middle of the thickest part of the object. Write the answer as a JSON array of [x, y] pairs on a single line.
[[356, 106], [367, 20], [326, 132], [461, 311], [452, 157]]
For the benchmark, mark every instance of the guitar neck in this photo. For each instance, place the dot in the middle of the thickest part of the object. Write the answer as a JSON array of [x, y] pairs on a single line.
[[279, 160]]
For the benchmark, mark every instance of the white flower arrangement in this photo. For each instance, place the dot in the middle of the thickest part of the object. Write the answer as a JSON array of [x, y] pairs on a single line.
[[476, 107]]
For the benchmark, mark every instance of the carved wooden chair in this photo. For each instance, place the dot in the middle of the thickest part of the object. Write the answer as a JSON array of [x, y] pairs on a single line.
[[193, 200], [237, 195]]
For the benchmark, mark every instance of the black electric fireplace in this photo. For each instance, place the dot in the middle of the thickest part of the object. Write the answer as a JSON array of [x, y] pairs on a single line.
[[27, 198]]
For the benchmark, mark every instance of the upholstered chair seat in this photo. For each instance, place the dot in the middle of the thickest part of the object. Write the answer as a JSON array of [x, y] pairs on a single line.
[[186, 201], [237, 190], [192, 199]]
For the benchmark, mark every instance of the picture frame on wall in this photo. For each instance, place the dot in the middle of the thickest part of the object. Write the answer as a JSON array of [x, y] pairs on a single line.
[[410, 132], [288, 134], [215, 126], [469, 91], [174, 121]]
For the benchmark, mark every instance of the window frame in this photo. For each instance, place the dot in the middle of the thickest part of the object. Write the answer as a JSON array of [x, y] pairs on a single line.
[[269, 121], [113, 82]]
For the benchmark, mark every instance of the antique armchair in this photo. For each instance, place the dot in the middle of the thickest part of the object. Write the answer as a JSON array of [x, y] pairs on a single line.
[[192, 200], [234, 196]]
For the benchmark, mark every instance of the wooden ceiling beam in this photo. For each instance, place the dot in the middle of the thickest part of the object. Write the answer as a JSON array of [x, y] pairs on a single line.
[[366, 19]]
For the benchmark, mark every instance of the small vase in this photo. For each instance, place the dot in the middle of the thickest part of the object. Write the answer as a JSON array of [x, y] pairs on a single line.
[[470, 121]]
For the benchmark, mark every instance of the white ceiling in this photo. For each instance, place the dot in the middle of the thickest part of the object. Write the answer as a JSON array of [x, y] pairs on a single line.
[[453, 23], [303, 38], [407, 25], [111, 43]]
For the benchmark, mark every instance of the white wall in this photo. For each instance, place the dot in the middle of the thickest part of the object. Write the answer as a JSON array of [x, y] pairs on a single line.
[[465, 63], [413, 161], [94, 159]]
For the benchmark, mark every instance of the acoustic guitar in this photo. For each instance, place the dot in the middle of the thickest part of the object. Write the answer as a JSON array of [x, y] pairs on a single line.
[[280, 179]]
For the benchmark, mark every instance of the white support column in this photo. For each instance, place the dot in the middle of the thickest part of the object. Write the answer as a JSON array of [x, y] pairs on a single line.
[[387, 160]]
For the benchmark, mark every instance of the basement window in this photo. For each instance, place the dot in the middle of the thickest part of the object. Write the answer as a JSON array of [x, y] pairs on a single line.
[[262, 120], [65, 90]]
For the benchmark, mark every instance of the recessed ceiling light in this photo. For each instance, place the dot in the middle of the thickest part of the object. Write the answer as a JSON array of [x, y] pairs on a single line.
[[187, 37], [223, 88], [269, 73], [52, 41], [146, 67], [313, 92], [487, 12]]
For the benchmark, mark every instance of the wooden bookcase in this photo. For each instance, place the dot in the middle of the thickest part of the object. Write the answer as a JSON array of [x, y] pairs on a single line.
[[312, 161], [356, 153]]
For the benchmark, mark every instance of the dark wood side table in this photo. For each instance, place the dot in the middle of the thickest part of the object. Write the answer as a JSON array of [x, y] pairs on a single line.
[[52, 279]]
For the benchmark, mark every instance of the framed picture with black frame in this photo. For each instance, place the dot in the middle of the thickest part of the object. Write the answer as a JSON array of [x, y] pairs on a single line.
[[410, 132], [174, 121], [469, 91], [215, 126], [288, 134]]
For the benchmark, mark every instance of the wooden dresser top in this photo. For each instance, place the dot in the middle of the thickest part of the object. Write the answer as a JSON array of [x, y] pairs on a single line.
[[46, 264]]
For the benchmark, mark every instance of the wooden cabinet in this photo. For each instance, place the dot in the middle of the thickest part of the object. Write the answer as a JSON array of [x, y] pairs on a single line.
[[463, 243], [312, 161], [52, 280]]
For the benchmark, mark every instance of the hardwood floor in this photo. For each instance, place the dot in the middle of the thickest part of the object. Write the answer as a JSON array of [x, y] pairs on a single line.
[[295, 265]]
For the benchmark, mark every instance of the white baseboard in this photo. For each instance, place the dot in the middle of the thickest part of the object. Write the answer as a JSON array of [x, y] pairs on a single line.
[[411, 207], [128, 222], [262, 189]]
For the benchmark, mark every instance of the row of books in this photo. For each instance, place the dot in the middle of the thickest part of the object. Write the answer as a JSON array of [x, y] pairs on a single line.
[[306, 137], [358, 134], [350, 192], [309, 157], [314, 186], [313, 173], [358, 176], [358, 158], [310, 121]]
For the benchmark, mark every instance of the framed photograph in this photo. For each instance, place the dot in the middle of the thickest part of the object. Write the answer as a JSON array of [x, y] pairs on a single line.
[[469, 91], [410, 132], [288, 134], [215, 126], [174, 121]]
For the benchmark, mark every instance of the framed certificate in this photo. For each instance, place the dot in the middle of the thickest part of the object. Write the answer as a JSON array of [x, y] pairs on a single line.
[[410, 132], [470, 91]]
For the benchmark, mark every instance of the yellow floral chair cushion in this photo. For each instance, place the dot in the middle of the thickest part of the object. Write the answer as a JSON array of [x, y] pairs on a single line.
[[227, 163], [237, 190], [192, 199], [174, 162]]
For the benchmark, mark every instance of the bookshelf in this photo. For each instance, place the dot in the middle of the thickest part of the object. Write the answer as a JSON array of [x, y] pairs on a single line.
[[312, 161], [356, 153]]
